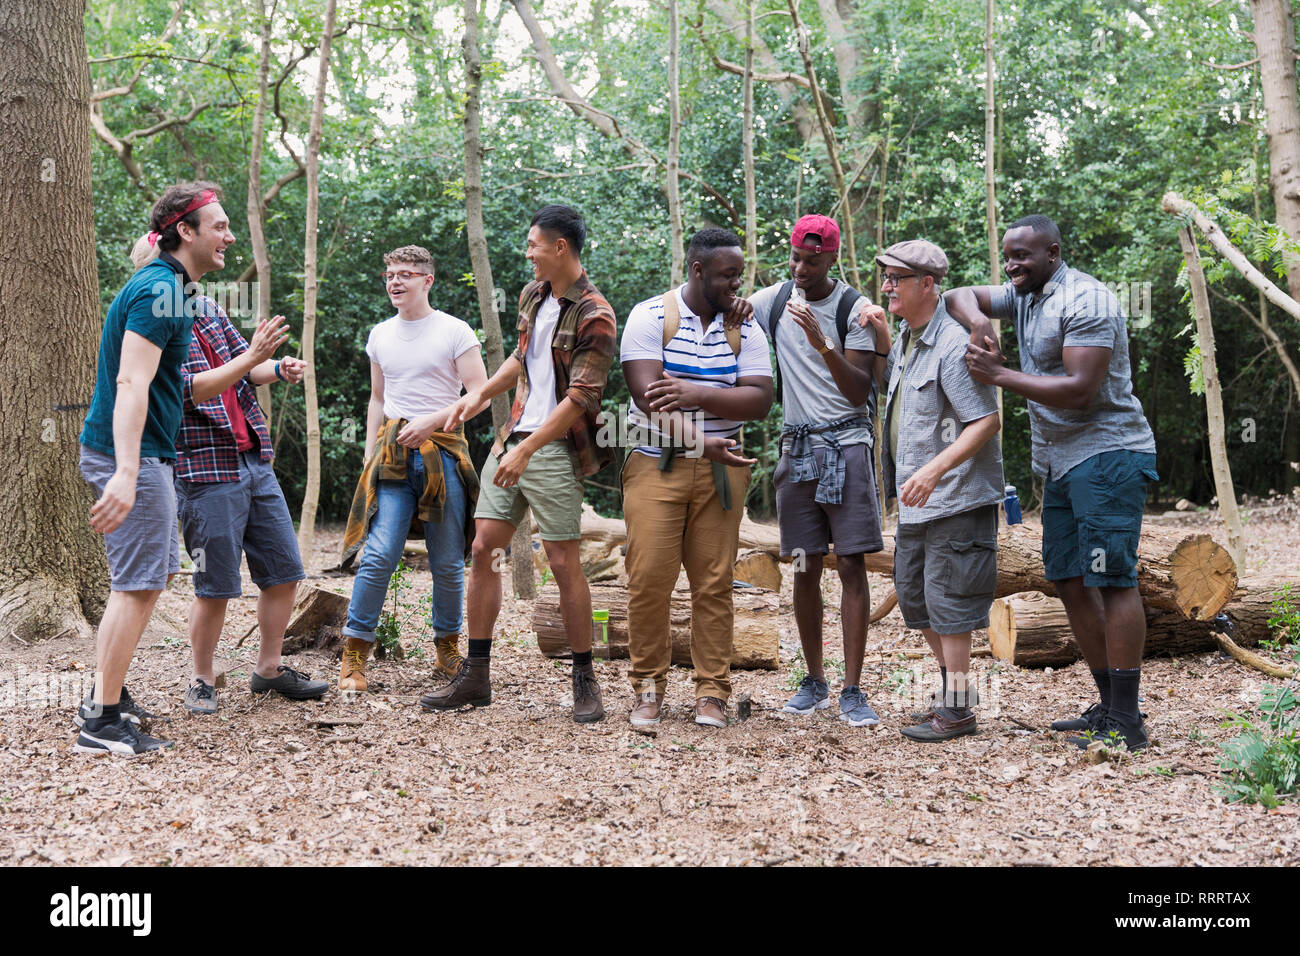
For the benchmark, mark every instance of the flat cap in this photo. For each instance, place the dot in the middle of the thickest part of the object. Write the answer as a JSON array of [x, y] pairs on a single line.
[[919, 255]]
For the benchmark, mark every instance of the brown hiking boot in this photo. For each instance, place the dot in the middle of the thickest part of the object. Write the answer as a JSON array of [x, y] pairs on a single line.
[[711, 712], [944, 724], [352, 670], [587, 705], [648, 710], [469, 686], [448, 660]]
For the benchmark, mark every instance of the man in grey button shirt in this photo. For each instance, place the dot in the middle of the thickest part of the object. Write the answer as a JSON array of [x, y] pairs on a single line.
[[1091, 445], [942, 459]]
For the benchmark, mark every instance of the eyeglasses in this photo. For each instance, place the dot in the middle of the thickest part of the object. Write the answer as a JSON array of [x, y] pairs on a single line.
[[404, 276], [893, 278]]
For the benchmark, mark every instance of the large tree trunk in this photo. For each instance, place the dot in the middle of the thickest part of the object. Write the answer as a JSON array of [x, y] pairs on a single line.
[[256, 209], [53, 575], [1213, 399], [755, 636], [521, 546], [1275, 43], [1032, 630], [311, 490]]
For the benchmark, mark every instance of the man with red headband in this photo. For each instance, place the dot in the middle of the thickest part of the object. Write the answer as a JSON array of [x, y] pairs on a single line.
[[825, 480], [128, 446]]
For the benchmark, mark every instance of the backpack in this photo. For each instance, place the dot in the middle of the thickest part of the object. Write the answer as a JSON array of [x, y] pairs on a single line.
[[673, 322]]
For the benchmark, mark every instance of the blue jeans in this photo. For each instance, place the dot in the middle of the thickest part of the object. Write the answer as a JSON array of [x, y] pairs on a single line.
[[386, 537]]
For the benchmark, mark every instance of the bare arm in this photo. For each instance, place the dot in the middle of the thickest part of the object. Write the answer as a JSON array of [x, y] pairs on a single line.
[[749, 399], [971, 306], [1085, 369], [640, 374], [473, 375], [375, 410], [853, 372], [477, 399], [137, 366], [917, 489], [270, 335]]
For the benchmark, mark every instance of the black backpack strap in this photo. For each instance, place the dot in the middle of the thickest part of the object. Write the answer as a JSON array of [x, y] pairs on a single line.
[[778, 309], [847, 301]]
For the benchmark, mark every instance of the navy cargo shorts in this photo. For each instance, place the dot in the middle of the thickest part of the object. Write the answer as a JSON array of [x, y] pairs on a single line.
[[1092, 518]]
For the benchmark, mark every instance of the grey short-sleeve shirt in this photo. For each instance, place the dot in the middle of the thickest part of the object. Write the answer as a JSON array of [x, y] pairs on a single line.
[[1074, 309], [811, 395], [937, 399]]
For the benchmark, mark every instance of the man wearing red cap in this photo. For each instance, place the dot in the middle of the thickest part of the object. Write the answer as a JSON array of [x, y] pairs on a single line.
[[825, 480], [128, 446]]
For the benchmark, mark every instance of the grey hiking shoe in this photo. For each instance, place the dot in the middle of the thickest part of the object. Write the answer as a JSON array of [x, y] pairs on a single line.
[[201, 697], [813, 694], [854, 709], [289, 683]]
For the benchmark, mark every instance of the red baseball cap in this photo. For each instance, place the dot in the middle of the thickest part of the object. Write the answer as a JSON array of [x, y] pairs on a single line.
[[816, 234]]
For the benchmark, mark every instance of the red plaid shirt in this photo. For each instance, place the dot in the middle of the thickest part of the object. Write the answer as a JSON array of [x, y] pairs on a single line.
[[583, 347], [206, 444]]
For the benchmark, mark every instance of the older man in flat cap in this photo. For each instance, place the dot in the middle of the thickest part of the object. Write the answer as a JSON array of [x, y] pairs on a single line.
[[942, 459]]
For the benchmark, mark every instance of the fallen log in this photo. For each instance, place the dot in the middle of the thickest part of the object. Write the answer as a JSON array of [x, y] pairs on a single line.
[[755, 639], [1191, 575], [1032, 629]]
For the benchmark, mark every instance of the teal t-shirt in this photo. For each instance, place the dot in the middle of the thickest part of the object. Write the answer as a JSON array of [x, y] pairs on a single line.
[[152, 304]]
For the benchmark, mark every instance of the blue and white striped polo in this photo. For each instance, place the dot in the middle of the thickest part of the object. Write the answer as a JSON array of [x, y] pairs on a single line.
[[701, 354]]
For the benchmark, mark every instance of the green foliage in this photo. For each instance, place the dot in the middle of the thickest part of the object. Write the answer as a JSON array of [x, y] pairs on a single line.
[[402, 614], [1284, 620], [1262, 763]]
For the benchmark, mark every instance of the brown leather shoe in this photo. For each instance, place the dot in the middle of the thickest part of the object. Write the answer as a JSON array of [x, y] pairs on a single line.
[[587, 705], [352, 669], [941, 726], [469, 686], [648, 711], [711, 712], [448, 659]]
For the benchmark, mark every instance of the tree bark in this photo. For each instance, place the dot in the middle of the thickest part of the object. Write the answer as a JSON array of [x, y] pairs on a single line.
[[256, 208], [832, 148], [521, 545], [747, 151], [1275, 39], [1213, 399], [53, 574], [673, 189], [311, 490]]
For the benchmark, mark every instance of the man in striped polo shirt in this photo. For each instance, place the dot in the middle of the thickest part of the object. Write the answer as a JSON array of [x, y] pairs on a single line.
[[684, 488]]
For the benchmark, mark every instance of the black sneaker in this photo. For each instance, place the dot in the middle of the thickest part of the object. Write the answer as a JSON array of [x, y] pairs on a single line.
[[126, 705], [1090, 719], [1115, 733], [120, 737], [289, 683], [200, 697]]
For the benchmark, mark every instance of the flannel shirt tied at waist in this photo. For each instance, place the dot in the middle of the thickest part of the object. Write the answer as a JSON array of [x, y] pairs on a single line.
[[388, 463], [803, 461]]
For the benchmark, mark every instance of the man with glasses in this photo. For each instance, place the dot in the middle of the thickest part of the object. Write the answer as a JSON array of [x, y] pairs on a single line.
[[542, 454], [825, 480], [417, 471], [943, 461], [1092, 446]]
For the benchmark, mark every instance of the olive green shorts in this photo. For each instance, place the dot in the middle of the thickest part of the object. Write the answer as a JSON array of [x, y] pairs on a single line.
[[548, 486]]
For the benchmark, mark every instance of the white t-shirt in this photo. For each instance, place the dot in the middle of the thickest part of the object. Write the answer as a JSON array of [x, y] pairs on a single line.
[[418, 359], [541, 368], [699, 352]]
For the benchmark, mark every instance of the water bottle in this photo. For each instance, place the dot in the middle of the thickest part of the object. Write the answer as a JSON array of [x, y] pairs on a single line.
[[1011, 505], [600, 633]]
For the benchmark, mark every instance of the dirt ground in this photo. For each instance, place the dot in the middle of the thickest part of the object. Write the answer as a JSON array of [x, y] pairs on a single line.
[[518, 782]]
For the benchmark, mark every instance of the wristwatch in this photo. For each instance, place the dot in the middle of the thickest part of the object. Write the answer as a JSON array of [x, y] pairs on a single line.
[[826, 346]]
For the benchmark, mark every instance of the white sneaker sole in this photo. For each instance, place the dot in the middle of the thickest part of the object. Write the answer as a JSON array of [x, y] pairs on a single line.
[[710, 722], [869, 722], [105, 747], [820, 705]]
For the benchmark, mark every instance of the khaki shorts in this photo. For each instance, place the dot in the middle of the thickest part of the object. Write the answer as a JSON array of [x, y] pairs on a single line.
[[548, 486]]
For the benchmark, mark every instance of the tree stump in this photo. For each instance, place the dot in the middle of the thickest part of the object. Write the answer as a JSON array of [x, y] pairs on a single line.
[[317, 622], [760, 569], [755, 637]]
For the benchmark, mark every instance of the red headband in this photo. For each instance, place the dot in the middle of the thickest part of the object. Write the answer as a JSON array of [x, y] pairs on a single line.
[[198, 202]]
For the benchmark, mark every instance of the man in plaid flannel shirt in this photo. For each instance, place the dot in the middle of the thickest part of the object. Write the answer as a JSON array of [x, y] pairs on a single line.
[[230, 502], [567, 341]]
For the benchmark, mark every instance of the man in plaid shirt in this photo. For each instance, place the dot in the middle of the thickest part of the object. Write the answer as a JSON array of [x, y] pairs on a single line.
[[567, 340], [230, 502]]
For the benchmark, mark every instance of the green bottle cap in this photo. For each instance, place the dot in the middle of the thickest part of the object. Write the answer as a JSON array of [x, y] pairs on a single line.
[[600, 615]]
